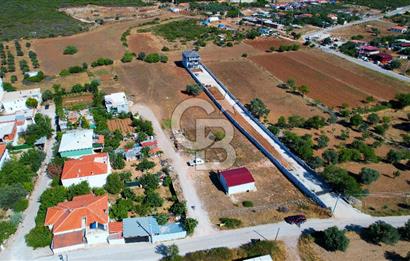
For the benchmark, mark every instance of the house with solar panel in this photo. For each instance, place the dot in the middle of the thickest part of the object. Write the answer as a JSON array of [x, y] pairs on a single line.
[[237, 180]]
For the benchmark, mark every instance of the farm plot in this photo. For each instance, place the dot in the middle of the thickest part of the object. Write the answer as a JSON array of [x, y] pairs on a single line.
[[331, 80], [247, 81], [75, 99], [364, 30], [215, 53], [123, 125], [264, 44]]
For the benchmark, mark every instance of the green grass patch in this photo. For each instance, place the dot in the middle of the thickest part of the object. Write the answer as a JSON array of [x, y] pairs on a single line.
[[187, 30]]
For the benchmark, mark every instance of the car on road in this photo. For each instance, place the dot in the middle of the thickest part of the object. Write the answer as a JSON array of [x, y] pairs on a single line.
[[196, 162], [296, 219]]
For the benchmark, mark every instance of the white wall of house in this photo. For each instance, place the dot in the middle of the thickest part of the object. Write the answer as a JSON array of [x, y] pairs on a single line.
[[97, 237], [242, 188], [6, 156], [68, 248], [96, 181]]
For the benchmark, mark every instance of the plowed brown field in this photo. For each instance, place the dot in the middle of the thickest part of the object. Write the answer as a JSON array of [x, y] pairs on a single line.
[[123, 125], [264, 44], [331, 80]]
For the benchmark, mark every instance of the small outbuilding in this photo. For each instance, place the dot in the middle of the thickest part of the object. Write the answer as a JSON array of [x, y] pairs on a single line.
[[237, 180]]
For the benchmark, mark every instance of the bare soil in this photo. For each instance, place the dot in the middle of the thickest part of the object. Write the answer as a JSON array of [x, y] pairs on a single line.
[[264, 44], [331, 80], [74, 99], [144, 42], [365, 30], [123, 125]]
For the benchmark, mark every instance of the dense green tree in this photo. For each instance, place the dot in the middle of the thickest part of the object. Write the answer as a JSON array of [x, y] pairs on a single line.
[[178, 208], [322, 141], [373, 118], [78, 189], [258, 108], [356, 120], [295, 121], [14, 171], [70, 50], [403, 100], [39, 236], [333, 239], [11, 194], [193, 89], [153, 199], [31, 103], [114, 184], [7, 229], [315, 122], [117, 161], [33, 158], [368, 175], [330, 156], [120, 209], [47, 95], [52, 196], [380, 231], [281, 122], [405, 231], [41, 128], [341, 181], [149, 181], [190, 225], [145, 165]]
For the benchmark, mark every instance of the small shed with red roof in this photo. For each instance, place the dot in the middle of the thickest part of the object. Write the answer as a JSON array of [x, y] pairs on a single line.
[[237, 180]]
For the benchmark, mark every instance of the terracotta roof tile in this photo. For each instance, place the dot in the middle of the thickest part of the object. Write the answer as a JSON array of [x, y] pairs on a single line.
[[95, 164], [68, 215], [68, 239]]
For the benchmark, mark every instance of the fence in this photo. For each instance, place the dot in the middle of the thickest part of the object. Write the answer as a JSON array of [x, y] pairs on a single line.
[[286, 172]]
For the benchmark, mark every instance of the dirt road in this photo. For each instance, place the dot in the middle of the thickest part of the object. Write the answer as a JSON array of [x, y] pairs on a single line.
[[185, 176]]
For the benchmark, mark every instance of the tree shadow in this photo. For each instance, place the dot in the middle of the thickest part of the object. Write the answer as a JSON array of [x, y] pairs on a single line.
[[214, 177], [393, 256], [161, 249], [404, 126], [354, 228]]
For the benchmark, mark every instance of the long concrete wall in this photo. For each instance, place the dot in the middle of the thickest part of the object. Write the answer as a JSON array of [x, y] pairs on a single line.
[[276, 162]]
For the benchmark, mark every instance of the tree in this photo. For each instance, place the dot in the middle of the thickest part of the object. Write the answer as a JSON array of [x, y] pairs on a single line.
[[322, 141], [41, 128], [402, 100], [117, 161], [193, 89], [33, 158], [218, 135], [341, 181], [114, 184], [78, 189], [281, 122], [230, 222], [47, 95], [333, 239], [190, 225], [52, 196], [172, 253], [120, 209], [149, 181], [14, 171], [145, 165], [11, 194], [162, 219], [152, 58], [153, 199], [368, 175], [315, 122], [373, 118], [330, 156], [7, 229], [380, 231], [8, 87], [258, 108], [291, 84], [405, 231], [394, 156], [178, 208], [303, 89], [31, 103], [127, 57], [39, 236], [356, 120]]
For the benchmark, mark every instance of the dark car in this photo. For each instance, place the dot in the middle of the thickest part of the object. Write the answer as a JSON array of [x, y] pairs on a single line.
[[296, 219], [47, 106]]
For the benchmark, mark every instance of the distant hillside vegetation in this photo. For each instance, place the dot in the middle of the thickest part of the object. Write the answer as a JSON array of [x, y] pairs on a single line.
[[40, 18], [379, 4]]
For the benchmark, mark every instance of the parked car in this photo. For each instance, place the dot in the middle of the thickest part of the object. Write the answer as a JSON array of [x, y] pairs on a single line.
[[296, 219], [196, 161]]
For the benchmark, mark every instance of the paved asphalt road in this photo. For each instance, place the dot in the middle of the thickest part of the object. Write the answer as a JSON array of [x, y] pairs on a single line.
[[231, 238], [16, 248]]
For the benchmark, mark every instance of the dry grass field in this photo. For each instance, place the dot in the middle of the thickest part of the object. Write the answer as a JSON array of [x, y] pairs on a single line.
[[264, 44], [74, 99], [331, 80], [364, 30], [361, 250], [144, 42], [247, 81]]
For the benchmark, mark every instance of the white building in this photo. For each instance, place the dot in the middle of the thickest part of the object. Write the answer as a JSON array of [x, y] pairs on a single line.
[[116, 102], [237, 181], [4, 155], [91, 168], [11, 102]]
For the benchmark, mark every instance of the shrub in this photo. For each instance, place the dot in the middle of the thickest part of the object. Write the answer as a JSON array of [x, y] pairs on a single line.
[[356, 120], [330, 156], [102, 62], [127, 57], [39, 236], [230, 222], [165, 49], [341, 181], [7, 229], [193, 89], [21, 205], [368, 175], [190, 225], [247, 204], [178, 208], [260, 248], [31, 103], [152, 58], [8, 87], [162, 219], [373, 118], [322, 141], [213, 254], [380, 231], [163, 58], [78, 189], [141, 56], [70, 50], [145, 165]]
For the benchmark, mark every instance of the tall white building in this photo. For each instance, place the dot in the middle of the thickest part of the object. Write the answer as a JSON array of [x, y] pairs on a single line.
[[116, 102]]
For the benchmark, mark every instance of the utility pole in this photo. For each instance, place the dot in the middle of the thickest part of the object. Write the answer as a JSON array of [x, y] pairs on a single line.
[[277, 234], [337, 200]]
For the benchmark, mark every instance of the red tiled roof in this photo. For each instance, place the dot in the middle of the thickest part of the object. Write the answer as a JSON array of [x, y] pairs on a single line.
[[154, 150], [239, 176], [69, 215], [115, 227], [2, 150], [369, 48], [398, 27], [149, 143], [68, 239], [95, 164]]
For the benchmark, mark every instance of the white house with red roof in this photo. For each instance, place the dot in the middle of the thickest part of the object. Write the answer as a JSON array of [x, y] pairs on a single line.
[[4, 155], [93, 168], [398, 29], [76, 223], [237, 180]]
